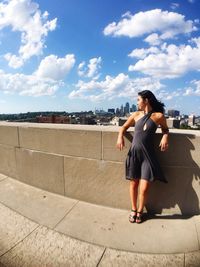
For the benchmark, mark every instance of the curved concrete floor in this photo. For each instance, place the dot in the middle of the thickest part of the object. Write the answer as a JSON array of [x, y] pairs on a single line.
[[39, 228]]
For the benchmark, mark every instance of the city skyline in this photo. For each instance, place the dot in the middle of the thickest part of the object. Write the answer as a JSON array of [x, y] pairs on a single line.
[[73, 56], [133, 106]]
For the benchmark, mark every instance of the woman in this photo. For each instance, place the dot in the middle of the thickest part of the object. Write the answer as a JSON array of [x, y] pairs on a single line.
[[141, 161]]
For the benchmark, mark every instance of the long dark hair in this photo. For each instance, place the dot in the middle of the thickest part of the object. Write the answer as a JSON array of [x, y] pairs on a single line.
[[156, 105]]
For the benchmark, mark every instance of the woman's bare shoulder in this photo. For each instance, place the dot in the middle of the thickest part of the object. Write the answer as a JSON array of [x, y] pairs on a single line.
[[138, 114], [159, 115], [135, 113]]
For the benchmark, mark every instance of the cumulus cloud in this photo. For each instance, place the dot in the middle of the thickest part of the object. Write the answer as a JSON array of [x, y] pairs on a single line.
[[143, 52], [194, 89], [170, 62], [167, 24], [153, 39], [174, 6], [25, 17], [168, 95], [80, 68], [46, 80], [30, 85], [54, 67], [113, 87], [91, 69]]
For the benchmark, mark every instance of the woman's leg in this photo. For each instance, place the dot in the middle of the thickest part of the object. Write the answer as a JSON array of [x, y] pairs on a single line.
[[133, 192], [144, 186]]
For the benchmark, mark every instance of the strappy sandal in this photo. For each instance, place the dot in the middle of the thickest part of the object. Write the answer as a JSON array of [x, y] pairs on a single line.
[[132, 217], [139, 217]]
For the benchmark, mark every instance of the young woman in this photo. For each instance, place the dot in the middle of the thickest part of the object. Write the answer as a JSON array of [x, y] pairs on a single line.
[[141, 162]]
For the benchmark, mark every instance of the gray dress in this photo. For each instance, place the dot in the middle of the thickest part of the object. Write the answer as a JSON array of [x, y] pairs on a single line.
[[141, 161]]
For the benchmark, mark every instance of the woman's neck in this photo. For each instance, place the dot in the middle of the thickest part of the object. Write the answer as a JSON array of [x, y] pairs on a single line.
[[147, 111]]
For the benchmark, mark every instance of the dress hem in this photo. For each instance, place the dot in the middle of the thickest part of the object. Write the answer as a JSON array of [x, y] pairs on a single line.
[[139, 178]]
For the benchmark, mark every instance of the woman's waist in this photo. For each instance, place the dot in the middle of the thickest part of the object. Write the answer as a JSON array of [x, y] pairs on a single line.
[[146, 142]]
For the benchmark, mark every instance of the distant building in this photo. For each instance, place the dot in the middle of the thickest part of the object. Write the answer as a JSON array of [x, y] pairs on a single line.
[[173, 123], [173, 113], [111, 110], [53, 119], [86, 120], [115, 121], [118, 121], [99, 112], [71, 119], [121, 110], [191, 120], [197, 120], [133, 108], [117, 111], [127, 108], [122, 120]]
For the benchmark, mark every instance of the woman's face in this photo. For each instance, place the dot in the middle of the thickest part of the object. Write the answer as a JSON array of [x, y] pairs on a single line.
[[141, 103]]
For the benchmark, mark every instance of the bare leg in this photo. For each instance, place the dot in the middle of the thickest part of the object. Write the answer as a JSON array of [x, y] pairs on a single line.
[[133, 193], [144, 186]]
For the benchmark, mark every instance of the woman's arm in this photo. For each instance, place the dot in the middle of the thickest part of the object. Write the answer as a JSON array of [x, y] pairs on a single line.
[[165, 130], [130, 122]]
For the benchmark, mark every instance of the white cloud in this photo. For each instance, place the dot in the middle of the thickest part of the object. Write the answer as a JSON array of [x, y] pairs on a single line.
[[142, 53], [172, 61], [14, 61], [80, 67], [91, 69], [46, 80], [174, 6], [153, 39], [54, 67], [113, 87], [25, 17], [168, 95], [194, 89], [168, 24], [30, 85]]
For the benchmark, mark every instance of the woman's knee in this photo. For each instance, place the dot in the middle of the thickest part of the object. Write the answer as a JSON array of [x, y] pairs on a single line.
[[134, 183], [144, 186]]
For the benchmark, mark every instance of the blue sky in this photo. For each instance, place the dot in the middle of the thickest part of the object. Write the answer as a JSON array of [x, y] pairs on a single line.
[[76, 55]]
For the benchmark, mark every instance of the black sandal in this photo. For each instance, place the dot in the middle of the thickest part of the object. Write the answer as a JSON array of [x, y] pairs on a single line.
[[132, 217], [139, 217]]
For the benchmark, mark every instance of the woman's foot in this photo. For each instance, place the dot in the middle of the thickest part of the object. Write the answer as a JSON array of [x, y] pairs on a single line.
[[132, 216], [139, 217]]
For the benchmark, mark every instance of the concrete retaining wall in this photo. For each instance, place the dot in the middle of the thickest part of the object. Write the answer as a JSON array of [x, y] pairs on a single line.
[[82, 162]]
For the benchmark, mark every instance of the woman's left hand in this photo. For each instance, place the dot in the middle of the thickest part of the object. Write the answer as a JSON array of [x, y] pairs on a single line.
[[163, 144]]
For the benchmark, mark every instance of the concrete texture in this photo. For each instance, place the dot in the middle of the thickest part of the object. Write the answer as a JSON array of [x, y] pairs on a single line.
[[118, 258], [60, 231], [110, 227], [59, 141], [14, 228], [9, 134], [40, 206], [87, 180], [39, 169], [36, 245], [8, 160]]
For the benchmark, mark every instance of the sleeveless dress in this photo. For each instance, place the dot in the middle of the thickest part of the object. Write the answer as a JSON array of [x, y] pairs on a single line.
[[141, 160]]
